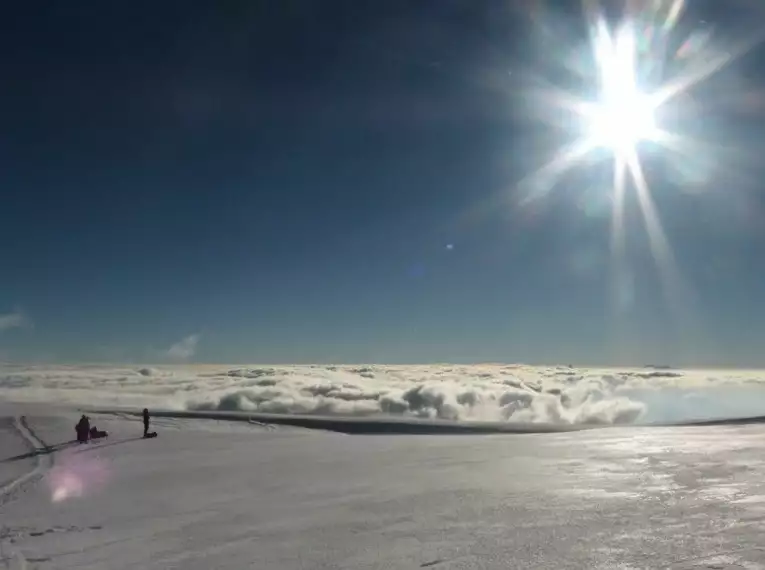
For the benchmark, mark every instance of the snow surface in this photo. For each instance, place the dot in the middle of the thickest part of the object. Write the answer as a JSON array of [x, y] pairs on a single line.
[[488, 392], [232, 495]]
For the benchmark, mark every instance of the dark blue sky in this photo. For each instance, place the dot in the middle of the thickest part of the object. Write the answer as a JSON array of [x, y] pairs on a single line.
[[303, 181]]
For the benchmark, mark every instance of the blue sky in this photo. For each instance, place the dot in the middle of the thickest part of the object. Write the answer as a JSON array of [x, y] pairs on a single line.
[[338, 182]]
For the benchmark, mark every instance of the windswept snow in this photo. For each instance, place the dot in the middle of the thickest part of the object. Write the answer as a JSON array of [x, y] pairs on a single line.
[[490, 392], [230, 496]]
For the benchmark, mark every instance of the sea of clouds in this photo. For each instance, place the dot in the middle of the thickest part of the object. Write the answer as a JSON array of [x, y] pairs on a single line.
[[487, 392]]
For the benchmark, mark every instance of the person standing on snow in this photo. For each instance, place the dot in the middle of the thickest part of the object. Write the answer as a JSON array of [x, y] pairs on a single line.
[[83, 429], [145, 422]]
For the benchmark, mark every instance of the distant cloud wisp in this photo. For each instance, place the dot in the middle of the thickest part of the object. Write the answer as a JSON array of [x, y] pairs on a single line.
[[14, 320], [184, 348]]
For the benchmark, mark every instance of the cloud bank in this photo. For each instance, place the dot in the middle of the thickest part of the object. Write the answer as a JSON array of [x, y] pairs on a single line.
[[559, 395]]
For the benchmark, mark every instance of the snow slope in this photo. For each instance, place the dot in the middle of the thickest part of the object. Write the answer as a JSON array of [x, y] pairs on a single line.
[[213, 494]]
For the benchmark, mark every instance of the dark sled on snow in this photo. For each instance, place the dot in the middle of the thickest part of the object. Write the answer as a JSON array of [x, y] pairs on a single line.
[[150, 435]]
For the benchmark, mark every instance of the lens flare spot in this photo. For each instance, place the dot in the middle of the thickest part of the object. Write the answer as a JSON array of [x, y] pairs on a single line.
[[75, 475]]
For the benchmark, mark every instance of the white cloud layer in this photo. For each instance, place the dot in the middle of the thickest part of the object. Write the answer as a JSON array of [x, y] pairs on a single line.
[[479, 393]]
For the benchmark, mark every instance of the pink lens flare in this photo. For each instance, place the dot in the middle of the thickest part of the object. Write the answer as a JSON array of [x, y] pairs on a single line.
[[76, 474]]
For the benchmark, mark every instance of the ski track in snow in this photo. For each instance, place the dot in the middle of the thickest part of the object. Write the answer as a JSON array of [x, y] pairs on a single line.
[[38, 451], [11, 558]]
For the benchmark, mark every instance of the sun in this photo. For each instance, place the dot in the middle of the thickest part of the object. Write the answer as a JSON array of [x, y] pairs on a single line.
[[626, 106], [628, 94], [623, 115], [621, 122]]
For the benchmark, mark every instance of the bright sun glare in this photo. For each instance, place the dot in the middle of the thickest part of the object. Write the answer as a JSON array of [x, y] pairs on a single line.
[[623, 116], [629, 61]]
